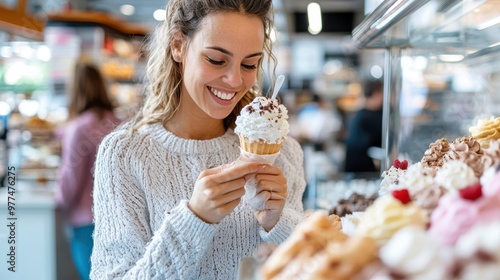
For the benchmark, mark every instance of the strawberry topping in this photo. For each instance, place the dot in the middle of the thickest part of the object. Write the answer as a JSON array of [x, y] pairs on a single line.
[[471, 192], [402, 195], [400, 164]]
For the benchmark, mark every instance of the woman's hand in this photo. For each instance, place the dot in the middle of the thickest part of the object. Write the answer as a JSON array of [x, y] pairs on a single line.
[[219, 190], [272, 183]]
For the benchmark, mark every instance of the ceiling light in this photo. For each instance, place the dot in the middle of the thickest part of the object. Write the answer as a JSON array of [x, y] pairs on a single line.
[[127, 10], [314, 17], [451, 57], [376, 71], [160, 15]]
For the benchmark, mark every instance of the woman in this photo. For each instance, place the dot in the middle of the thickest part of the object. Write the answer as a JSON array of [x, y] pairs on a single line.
[[167, 196], [91, 118]]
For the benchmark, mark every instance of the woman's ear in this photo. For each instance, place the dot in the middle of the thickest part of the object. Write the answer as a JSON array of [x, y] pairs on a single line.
[[177, 46]]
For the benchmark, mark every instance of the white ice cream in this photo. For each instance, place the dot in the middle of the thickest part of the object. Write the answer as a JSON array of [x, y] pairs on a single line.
[[263, 119]]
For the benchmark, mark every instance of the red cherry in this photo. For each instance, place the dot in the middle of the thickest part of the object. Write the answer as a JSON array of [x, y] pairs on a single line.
[[400, 164], [404, 164], [402, 195], [471, 192]]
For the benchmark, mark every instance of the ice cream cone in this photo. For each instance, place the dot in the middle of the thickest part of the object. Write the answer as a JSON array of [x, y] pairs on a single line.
[[262, 126], [260, 147]]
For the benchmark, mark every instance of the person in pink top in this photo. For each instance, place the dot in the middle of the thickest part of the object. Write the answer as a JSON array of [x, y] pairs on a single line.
[[91, 117]]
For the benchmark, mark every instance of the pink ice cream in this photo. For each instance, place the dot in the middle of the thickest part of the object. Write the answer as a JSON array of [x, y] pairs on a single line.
[[454, 215], [492, 188]]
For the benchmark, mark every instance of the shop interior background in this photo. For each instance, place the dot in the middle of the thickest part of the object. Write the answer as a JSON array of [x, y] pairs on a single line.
[[36, 58]]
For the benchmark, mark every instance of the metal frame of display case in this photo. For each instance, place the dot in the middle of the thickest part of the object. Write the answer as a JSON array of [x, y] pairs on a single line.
[[390, 27]]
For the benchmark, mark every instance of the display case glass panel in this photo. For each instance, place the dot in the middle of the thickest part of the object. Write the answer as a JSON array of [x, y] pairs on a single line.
[[441, 69]]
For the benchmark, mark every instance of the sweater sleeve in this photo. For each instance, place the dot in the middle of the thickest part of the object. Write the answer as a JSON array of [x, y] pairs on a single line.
[[293, 168], [124, 244]]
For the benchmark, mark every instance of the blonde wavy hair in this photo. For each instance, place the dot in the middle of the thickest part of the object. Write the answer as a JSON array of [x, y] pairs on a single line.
[[163, 73]]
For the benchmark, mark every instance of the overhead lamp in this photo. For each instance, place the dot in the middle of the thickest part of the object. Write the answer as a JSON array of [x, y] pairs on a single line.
[[451, 57], [127, 10], [314, 18], [376, 71], [160, 15]]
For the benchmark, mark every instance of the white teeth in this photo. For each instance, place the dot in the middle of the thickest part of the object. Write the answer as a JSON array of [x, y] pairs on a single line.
[[222, 95]]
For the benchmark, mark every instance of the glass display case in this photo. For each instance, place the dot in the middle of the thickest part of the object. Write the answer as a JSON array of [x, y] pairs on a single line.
[[442, 70]]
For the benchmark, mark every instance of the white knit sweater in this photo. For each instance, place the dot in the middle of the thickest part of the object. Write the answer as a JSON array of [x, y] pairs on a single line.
[[143, 227]]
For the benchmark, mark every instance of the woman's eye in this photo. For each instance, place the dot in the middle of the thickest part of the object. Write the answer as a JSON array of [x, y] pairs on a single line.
[[215, 62], [219, 63], [249, 67]]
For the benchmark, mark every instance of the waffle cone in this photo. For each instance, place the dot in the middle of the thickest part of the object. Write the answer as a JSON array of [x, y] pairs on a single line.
[[260, 147]]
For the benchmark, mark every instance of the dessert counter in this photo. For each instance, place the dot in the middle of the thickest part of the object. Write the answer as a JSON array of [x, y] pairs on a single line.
[[27, 233], [436, 213]]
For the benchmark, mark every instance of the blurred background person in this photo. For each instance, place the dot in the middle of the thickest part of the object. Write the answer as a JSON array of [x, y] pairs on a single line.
[[91, 117], [364, 131], [316, 123]]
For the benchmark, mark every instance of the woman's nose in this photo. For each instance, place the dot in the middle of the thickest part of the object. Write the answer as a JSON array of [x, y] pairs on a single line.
[[233, 76]]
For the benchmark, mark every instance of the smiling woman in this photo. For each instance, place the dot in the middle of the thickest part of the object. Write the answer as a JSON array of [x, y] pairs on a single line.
[[221, 61], [167, 194]]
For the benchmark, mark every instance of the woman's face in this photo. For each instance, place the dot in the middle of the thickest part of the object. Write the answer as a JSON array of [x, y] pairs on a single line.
[[220, 63]]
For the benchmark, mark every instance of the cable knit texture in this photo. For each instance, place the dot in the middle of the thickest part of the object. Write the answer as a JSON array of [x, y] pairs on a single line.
[[144, 229]]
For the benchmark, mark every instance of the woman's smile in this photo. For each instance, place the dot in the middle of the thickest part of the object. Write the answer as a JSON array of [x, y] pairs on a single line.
[[222, 94]]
